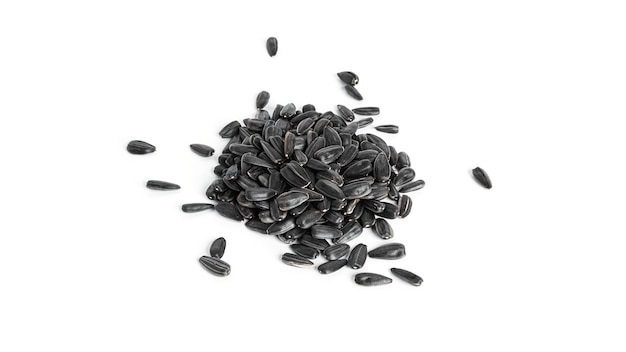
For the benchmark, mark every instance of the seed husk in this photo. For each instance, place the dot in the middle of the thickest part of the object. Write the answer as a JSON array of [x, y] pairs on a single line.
[[382, 169], [407, 276], [262, 99], [404, 206], [259, 193], [317, 243], [304, 251], [346, 113], [387, 129], [257, 226], [289, 200], [349, 231], [367, 111], [325, 232], [329, 189], [383, 229], [215, 265], [202, 149], [388, 251], [353, 92], [331, 136], [217, 248], [228, 210], [403, 161], [140, 147], [272, 46], [331, 266], [481, 176], [348, 77], [412, 186], [357, 256], [389, 212], [328, 154], [371, 279], [336, 251], [161, 185], [308, 218], [230, 130], [281, 227], [288, 110], [296, 260], [196, 207], [364, 122], [405, 175], [367, 219], [357, 190]]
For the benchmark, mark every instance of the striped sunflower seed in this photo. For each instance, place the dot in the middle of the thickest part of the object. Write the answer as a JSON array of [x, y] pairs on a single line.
[[357, 256], [383, 229], [358, 168], [196, 207], [336, 251], [228, 210], [161, 185], [389, 212], [387, 128], [319, 244], [481, 176], [279, 228], [215, 265], [260, 193], [217, 248], [388, 251], [230, 130], [272, 46], [367, 219], [331, 136], [349, 153], [350, 231], [325, 232], [346, 113], [329, 189], [356, 190], [296, 260], [304, 126], [403, 161], [405, 175], [404, 206], [364, 122], [331, 266], [353, 92], [295, 175], [262, 99], [382, 169], [348, 77], [202, 149], [412, 186], [288, 110], [289, 200], [304, 251], [257, 226], [308, 107], [140, 147], [366, 111], [329, 154], [407, 276], [371, 279], [308, 218]]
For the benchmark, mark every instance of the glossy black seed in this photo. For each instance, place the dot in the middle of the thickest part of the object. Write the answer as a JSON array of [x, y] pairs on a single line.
[[348, 77], [403, 161], [272, 153], [161, 185], [329, 189], [215, 265], [300, 157], [261, 115], [324, 205], [296, 260], [140, 147], [407, 276], [319, 244], [331, 136], [295, 233], [228, 210], [328, 154], [240, 148], [383, 229], [357, 256], [308, 107], [364, 122], [278, 228], [308, 218], [346, 113], [388, 251], [380, 143], [381, 168], [317, 165], [289, 200], [366, 111], [387, 128], [389, 212], [295, 175], [202, 149], [374, 205], [412, 186], [367, 219], [325, 232], [368, 154], [404, 205], [196, 207], [288, 110], [356, 190], [481, 176], [260, 193], [230, 130], [405, 175], [304, 251], [349, 153], [350, 231], [286, 240], [371, 279], [334, 217], [262, 99], [257, 226], [313, 196], [353, 92], [331, 266], [358, 168], [393, 192], [231, 173], [272, 46], [289, 144], [275, 212], [304, 126], [330, 175], [217, 248], [393, 155], [336, 251]]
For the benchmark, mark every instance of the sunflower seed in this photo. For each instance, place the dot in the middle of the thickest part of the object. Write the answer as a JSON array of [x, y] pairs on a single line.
[[317, 165], [215, 265], [260, 193], [353, 92], [295, 233], [346, 113], [356, 190], [300, 157], [350, 231], [334, 217], [317, 243], [288, 110], [196, 207], [313, 196], [278, 228], [325, 232], [304, 126], [228, 210], [331, 266], [412, 186], [262, 115], [161, 185], [272, 46], [231, 173], [404, 205], [357, 256], [381, 169], [274, 155], [364, 122], [284, 239], [388, 251], [308, 218], [367, 219], [240, 148], [368, 154], [407, 276], [389, 212], [304, 251], [405, 175], [403, 161], [358, 168], [348, 77], [387, 128], [140, 147], [308, 107], [349, 153], [257, 226], [329, 189], [275, 212], [481, 176], [324, 205], [290, 144], [262, 99], [289, 200], [328, 154], [371, 279], [336, 251], [230, 130], [366, 111], [295, 175], [217, 248], [383, 229], [331, 136], [296, 260], [202, 149], [330, 175], [379, 142]]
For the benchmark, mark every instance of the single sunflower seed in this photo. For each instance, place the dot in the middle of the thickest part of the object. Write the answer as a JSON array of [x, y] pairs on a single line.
[[336, 251], [404, 205], [388, 251], [272, 46], [262, 99], [387, 128], [331, 266], [353, 92], [196, 207], [357, 256], [412, 186], [383, 229], [296, 260], [230, 130], [217, 248], [371, 279], [202, 149], [366, 111], [481, 176], [228, 210], [325, 232], [346, 113], [289, 200], [407, 276], [304, 251], [348, 77], [140, 147], [215, 265], [161, 185]]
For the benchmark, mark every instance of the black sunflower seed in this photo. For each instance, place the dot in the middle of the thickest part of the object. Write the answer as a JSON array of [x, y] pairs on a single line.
[[387, 128], [215, 265], [328, 154], [308, 218], [358, 168], [367, 219], [380, 143], [330, 175], [389, 212], [366, 111], [349, 153], [404, 205], [346, 113], [257, 226], [481, 176], [228, 210], [348, 77], [289, 200], [412, 186], [230, 130], [371, 279], [259, 193], [217, 248], [296, 260], [317, 165], [288, 110], [364, 122], [308, 107], [304, 126], [407, 276], [317, 243], [357, 256], [202, 149], [275, 212], [295, 175], [262, 115], [382, 169], [353, 92], [403, 161], [161, 185], [196, 207], [393, 155], [295, 233], [304, 251], [388, 251], [279, 228], [405, 175], [262, 99], [331, 136], [334, 217], [272, 46], [325, 232], [140, 147], [313, 196], [356, 190], [383, 229], [331, 266], [247, 213], [350, 231], [329, 189], [336, 251]]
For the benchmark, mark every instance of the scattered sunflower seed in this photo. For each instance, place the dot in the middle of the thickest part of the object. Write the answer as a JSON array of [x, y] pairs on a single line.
[[272, 46], [387, 128], [388, 251], [140, 147], [217, 248], [215, 265], [348, 77], [353, 92], [202, 149], [367, 111], [161, 185], [296, 260], [262, 99], [357, 257], [196, 207], [371, 279], [481, 176], [331, 266], [407, 276]]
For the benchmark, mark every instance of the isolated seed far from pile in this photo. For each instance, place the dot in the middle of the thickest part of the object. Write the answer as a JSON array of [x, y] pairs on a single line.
[[140, 147], [272, 46], [202, 149], [407, 276], [217, 248], [215, 265], [353, 92], [161, 185], [481, 176], [387, 129], [196, 207], [348, 77], [371, 279]]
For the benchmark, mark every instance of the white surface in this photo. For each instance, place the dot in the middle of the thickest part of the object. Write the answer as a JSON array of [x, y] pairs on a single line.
[[533, 92]]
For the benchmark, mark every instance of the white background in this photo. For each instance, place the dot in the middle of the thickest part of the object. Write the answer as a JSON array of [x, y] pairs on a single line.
[[531, 91]]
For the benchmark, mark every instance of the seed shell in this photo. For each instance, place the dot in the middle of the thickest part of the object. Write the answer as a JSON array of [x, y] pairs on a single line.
[[331, 266], [161, 185], [387, 128], [228, 210], [407, 276], [336, 251], [215, 265], [202, 149], [296, 260], [481, 176], [196, 207], [217, 248], [371, 279], [304, 251], [357, 256], [383, 229], [272, 46], [262, 99], [412, 186], [348, 77], [388, 251], [353, 92], [367, 111], [140, 147], [325, 232]]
